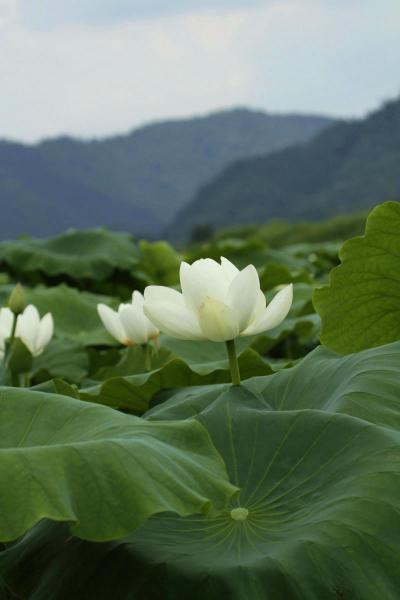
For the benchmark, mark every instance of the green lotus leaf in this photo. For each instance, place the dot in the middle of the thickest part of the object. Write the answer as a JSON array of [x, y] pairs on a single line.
[[91, 254], [58, 386], [17, 364], [304, 331], [160, 262], [274, 274], [365, 385], [74, 312], [317, 517], [135, 392], [62, 358], [102, 471], [203, 357], [361, 306], [130, 361], [299, 332]]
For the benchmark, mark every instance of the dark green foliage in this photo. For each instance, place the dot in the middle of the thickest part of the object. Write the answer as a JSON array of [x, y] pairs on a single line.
[[278, 233], [91, 259], [310, 438], [347, 167], [319, 476], [201, 233], [76, 254]]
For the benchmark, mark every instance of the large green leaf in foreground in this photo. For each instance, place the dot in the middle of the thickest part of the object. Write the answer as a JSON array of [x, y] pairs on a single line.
[[322, 495], [361, 306], [365, 385], [322, 491], [102, 471]]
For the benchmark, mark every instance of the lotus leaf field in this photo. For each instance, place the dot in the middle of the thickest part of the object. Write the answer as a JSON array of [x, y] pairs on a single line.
[[140, 471]]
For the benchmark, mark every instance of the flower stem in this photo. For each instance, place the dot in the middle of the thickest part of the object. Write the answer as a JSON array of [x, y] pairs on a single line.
[[12, 335], [14, 378], [233, 362], [26, 379], [10, 340], [147, 356]]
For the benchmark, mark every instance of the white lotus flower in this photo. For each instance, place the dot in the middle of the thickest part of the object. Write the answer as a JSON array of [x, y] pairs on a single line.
[[33, 331], [218, 303], [129, 325], [6, 322]]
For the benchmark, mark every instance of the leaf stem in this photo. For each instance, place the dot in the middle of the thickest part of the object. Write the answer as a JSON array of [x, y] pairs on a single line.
[[147, 356], [233, 362], [288, 347]]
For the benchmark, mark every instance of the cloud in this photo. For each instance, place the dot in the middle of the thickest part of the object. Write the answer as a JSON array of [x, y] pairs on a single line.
[[94, 81], [340, 58], [8, 13], [287, 55], [45, 14]]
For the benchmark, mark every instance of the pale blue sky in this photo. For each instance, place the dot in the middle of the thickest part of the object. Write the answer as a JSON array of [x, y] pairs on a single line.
[[95, 67]]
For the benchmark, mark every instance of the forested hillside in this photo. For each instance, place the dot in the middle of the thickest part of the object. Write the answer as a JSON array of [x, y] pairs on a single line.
[[348, 167], [132, 182]]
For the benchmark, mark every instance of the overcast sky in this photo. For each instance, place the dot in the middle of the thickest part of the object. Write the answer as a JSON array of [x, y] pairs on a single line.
[[96, 67]]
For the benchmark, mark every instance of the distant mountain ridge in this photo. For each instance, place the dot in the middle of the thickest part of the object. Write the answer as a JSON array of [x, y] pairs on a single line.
[[347, 167], [135, 182]]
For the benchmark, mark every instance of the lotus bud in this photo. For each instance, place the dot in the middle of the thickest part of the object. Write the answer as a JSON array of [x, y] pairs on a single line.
[[17, 301]]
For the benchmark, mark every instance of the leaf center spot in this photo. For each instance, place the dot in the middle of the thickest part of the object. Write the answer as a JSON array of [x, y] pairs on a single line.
[[239, 514]]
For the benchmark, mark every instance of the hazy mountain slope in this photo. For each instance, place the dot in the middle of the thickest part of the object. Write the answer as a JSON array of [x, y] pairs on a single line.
[[347, 167], [134, 182], [36, 200]]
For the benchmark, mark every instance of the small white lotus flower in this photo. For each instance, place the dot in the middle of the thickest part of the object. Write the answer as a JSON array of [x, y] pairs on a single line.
[[33, 331], [218, 303], [129, 325], [6, 323]]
